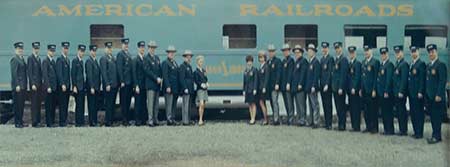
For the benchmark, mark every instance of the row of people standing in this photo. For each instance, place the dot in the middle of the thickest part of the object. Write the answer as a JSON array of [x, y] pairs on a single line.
[[142, 76], [369, 86]]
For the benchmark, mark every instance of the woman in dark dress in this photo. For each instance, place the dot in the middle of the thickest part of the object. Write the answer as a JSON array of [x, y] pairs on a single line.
[[263, 81], [201, 80], [250, 87]]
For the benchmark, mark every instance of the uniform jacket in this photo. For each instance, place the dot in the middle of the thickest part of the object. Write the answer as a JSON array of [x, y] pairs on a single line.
[[78, 74], [124, 67], [49, 78], [34, 70], [93, 74], [18, 73]]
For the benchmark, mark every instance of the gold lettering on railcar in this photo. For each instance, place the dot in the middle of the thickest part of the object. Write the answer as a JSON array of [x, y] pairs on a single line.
[[116, 10], [379, 10], [225, 69]]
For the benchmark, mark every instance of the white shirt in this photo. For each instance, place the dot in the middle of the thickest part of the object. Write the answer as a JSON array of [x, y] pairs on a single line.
[[312, 58], [385, 61], [368, 59], [415, 60], [432, 61]]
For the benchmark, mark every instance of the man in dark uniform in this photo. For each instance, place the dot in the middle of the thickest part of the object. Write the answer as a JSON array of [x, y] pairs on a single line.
[[400, 89], [274, 82], [78, 85], [368, 90], [63, 74], [110, 82], [354, 86], [93, 80], [338, 85], [298, 83], [384, 89], [311, 86], [50, 85], [436, 99], [18, 83], [124, 69], [139, 85], [285, 82], [326, 64], [416, 87], [35, 81], [170, 84], [187, 85], [153, 81]]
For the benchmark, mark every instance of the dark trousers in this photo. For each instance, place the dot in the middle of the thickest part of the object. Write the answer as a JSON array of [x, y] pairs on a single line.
[[110, 102], [289, 105], [50, 106], [417, 114], [36, 106], [402, 115], [93, 108], [327, 105], [63, 102], [126, 93], [339, 101], [355, 111], [371, 112], [387, 114], [79, 108], [18, 106], [436, 110], [140, 106]]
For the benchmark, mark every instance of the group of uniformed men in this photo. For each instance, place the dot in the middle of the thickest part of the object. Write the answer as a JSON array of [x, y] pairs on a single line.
[[141, 76], [370, 85]]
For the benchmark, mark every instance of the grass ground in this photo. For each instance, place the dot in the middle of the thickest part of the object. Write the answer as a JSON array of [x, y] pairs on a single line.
[[216, 144]]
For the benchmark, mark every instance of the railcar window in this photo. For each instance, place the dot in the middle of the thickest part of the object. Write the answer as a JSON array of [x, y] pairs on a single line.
[[297, 34], [239, 36], [101, 33], [360, 35], [422, 35]]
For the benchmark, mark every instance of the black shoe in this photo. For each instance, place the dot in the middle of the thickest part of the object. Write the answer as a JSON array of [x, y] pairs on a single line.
[[433, 140], [301, 124], [366, 131], [36, 125], [108, 124], [402, 134], [78, 125], [151, 124], [276, 123], [170, 123], [374, 131], [19, 125], [126, 123], [328, 127], [93, 125], [251, 123], [186, 124]]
